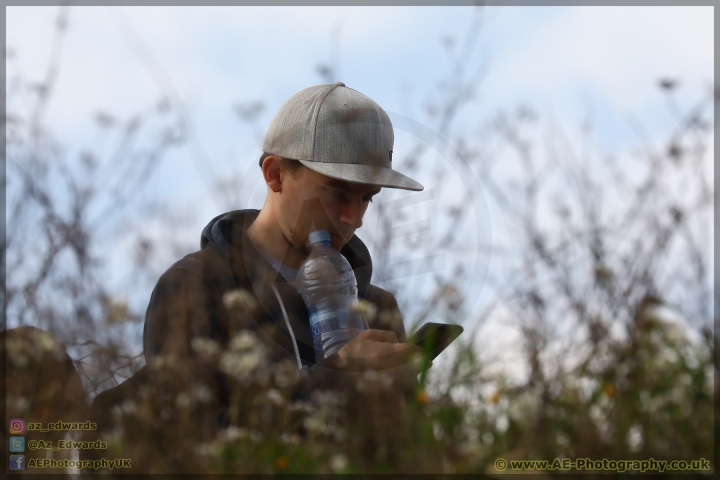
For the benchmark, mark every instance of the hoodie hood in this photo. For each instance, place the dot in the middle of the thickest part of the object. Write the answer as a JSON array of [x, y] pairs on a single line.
[[225, 232], [285, 308]]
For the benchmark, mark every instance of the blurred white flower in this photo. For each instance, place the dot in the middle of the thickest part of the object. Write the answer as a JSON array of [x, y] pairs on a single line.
[[129, 407], [635, 438], [212, 449], [450, 295], [164, 361], [205, 347], [20, 350], [338, 462], [502, 423], [372, 380], [317, 423], [239, 365], [202, 394], [323, 420], [116, 311], [244, 340], [245, 358], [390, 318], [232, 433], [19, 360], [438, 431], [676, 334], [365, 308], [240, 297], [272, 396], [184, 401], [21, 403], [326, 398], [562, 439], [287, 438], [146, 392], [46, 342], [286, 373], [301, 406], [126, 408], [14, 346], [275, 397]]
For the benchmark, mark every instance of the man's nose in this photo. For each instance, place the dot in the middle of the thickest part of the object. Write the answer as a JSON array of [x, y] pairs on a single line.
[[352, 214]]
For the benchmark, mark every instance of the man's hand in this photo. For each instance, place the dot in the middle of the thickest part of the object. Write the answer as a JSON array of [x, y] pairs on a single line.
[[378, 354], [379, 350]]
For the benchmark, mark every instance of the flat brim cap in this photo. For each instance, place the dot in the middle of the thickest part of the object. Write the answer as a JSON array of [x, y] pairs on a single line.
[[338, 132]]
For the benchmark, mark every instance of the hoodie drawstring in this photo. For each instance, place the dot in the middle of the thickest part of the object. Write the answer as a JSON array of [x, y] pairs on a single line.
[[287, 322]]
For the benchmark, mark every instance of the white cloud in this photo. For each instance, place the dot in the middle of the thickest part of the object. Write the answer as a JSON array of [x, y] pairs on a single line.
[[618, 53]]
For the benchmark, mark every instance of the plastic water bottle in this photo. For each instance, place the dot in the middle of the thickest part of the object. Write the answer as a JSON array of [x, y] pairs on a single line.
[[328, 286]]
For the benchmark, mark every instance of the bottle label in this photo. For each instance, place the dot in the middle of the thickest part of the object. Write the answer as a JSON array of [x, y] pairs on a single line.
[[326, 321], [329, 320]]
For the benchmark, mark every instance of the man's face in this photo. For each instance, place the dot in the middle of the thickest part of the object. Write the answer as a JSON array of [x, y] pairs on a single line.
[[311, 201]]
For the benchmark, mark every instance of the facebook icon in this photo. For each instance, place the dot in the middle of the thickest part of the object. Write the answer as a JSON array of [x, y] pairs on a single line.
[[17, 462]]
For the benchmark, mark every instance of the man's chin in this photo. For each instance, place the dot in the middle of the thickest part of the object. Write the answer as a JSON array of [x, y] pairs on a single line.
[[337, 241]]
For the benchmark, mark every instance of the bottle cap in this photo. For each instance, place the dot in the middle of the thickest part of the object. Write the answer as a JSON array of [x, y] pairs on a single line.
[[319, 236]]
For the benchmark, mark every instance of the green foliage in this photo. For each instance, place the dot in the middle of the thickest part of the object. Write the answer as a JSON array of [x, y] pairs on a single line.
[[645, 394]]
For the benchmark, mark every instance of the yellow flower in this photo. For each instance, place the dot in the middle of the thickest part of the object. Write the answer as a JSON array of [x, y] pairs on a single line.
[[608, 389], [281, 462]]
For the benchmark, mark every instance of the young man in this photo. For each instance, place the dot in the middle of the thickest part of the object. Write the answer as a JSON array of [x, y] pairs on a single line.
[[328, 151]]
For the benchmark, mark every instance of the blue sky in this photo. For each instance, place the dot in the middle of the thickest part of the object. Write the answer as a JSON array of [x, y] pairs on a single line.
[[568, 63], [560, 58]]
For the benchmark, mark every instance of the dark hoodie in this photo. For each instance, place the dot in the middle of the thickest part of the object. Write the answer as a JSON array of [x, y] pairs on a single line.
[[188, 302], [188, 299]]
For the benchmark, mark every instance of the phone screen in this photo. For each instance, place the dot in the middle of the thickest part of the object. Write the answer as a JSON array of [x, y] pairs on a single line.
[[435, 337]]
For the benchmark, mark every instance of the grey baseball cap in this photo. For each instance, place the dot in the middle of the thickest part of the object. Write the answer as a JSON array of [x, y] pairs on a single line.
[[338, 132]]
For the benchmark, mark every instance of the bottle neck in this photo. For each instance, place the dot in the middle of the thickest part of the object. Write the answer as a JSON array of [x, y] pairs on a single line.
[[318, 244], [319, 236]]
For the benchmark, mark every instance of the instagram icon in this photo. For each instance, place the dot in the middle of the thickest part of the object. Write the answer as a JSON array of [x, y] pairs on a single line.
[[17, 426]]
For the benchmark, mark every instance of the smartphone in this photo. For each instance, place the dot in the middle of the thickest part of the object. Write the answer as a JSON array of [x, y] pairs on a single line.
[[435, 337]]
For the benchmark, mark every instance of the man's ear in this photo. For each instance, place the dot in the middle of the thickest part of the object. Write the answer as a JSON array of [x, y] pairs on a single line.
[[272, 173]]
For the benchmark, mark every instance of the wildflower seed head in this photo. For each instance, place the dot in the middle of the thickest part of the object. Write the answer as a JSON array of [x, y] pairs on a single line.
[[184, 401], [202, 394], [205, 347], [239, 298], [244, 341], [232, 433], [365, 308], [338, 462]]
